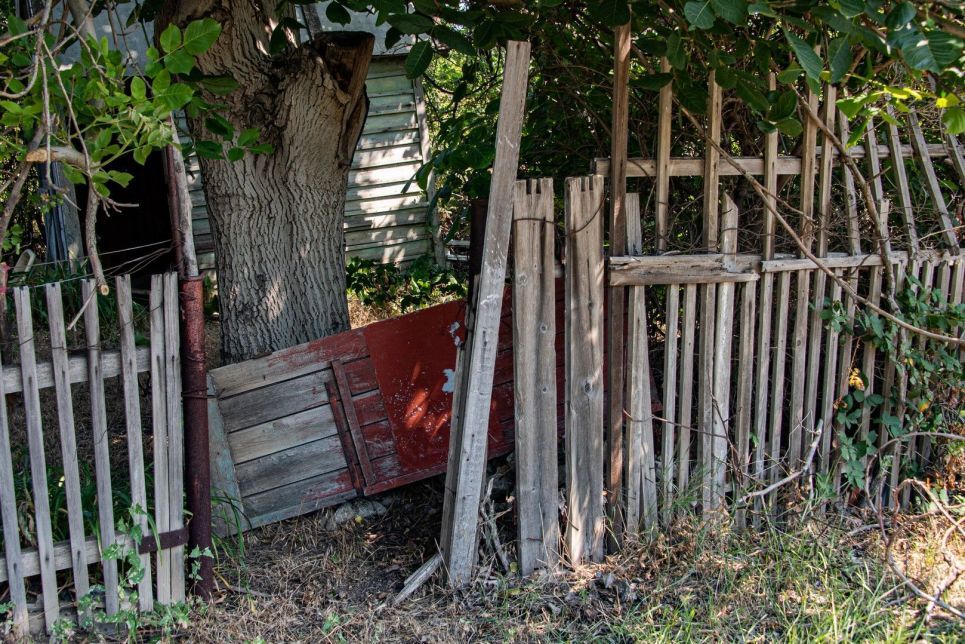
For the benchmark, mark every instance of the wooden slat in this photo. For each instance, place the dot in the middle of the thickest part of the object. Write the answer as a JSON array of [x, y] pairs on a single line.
[[352, 420], [534, 376], [159, 427], [664, 114], [68, 438], [290, 466], [905, 205], [850, 195], [845, 357], [76, 370], [29, 561], [641, 472], [669, 403], [13, 567], [281, 434], [830, 389], [175, 422], [712, 165], [132, 413], [762, 378], [469, 425], [775, 438], [745, 386], [770, 184], [584, 368], [686, 388], [954, 150], [931, 181], [102, 442], [225, 492], [868, 358], [872, 155]]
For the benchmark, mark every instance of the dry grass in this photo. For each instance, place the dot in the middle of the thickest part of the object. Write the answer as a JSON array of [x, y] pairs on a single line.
[[812, 581]]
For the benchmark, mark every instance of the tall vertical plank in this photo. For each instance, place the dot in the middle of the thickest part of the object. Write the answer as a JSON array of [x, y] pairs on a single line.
[[669, 402], [868, 357], [770, 184], [641, 471], [687, 341], [931, 181], [745, 391], [850, 195], [175, 418], [616, 303], [664, 113], [68, 439], [534, 375], [11, 528], [102, 441], [132, 413], [468, 437], [712, 164], [38, 463], [830, 388], [777, 381], [845, 360], [159, 426], [584, 368], [905, 205], [874, 162]]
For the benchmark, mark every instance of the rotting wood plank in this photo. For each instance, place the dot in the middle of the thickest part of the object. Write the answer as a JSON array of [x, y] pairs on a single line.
[[290, 466], [159, 412], [845, 357], [13, 568], [617, 300], [132, 415], [850, 195], [775, 439], [227, 511], [687, 340], [868, 359], [534, 376], [102, 439], [932, 186], [872, 155], [762, 378], [770, 184], [711, 222], [175, 433], [745, 394], [352, 420], [76, 370], [641, 472], [282, 433], [664, 114], [464, 479], [830, 390], [68, 438], [669, 403], [29, 561], [954, 150], [905, 205], [584, 368]]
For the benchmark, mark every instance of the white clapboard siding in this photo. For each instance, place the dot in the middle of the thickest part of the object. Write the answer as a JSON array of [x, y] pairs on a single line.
[[385, 210]]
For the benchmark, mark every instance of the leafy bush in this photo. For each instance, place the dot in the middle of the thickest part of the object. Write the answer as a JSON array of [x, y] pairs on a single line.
[[420, 284]]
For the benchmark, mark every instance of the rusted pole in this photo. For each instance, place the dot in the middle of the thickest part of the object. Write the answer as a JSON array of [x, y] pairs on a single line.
[[197, 471], [617, 295]]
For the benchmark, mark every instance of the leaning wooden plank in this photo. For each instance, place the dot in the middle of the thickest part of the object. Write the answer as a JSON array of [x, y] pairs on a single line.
[[686, 388], [102, 455], [955, 154], [905, 205], [641, 472], [172, 359], [76, 370], [132, 412], [825, 171], [38, 464], [664, 113], [872, 155], [227, 510], [468, 437], [584, 368], [534, 376], [931, 181], [716, 452], [850, 195], [745, 393], [68, 438], [159, 426], [775, 438], [669, 403], [616, 302], [13, 567]]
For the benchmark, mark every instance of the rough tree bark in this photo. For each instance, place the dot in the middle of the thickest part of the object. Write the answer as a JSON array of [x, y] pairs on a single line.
[[277, 218]]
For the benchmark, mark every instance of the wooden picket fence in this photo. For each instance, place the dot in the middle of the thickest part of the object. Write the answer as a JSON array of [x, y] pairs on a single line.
[[37, 577]]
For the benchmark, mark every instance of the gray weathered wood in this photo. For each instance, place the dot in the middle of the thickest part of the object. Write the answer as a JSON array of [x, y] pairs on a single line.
[[468, 437], [712, 164], [669, 403], [770, 184], [868, 357], [584, 368], [931, 181], [13, 567], [775, 439], [664, 114], [224, 480], [872, 155], [102, 441], [159, 427], [687, 341], [905, 205], [68, 438], [534, 376], [132, 412], [76, 370], [845, 360], [762, 378], [745, 393], [829, 393], [175, 420], [641, 472], [850, 195]]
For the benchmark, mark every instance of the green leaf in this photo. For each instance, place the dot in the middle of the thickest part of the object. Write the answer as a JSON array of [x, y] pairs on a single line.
[[840, 54], [179, 62], [754, 98], [392, 37], [900, 16], [121, 178], [220, 85], [784, 107], [945, 48], [954, 120], [699, 14], [789, 75], [170, 38], [336, 14], [209, 149], [235, 154], [418, 59], [249, 136], [790, 127], [733, 11], [453, 39], [200, 35], [219, 125], [675, 51], [851, 8], [653, 81], [810, 61], [138, 88], [161, 81], [611, 13], [411, 23]]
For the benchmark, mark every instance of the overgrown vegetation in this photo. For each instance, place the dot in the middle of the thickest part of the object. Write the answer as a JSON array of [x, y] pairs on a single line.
[[402, 289]]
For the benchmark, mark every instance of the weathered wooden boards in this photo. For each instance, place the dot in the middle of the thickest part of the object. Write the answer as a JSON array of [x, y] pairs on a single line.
[[81, 549], [534, 375], [584, 206], [467, 448]]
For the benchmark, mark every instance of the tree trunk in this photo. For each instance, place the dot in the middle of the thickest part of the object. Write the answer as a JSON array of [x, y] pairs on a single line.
[[277, 218]]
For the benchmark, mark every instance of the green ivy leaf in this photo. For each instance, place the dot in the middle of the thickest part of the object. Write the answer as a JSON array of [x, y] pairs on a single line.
[[249, 136], [699, 14], [235, 154], [809, 60], [851, 8], [418, 59]]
